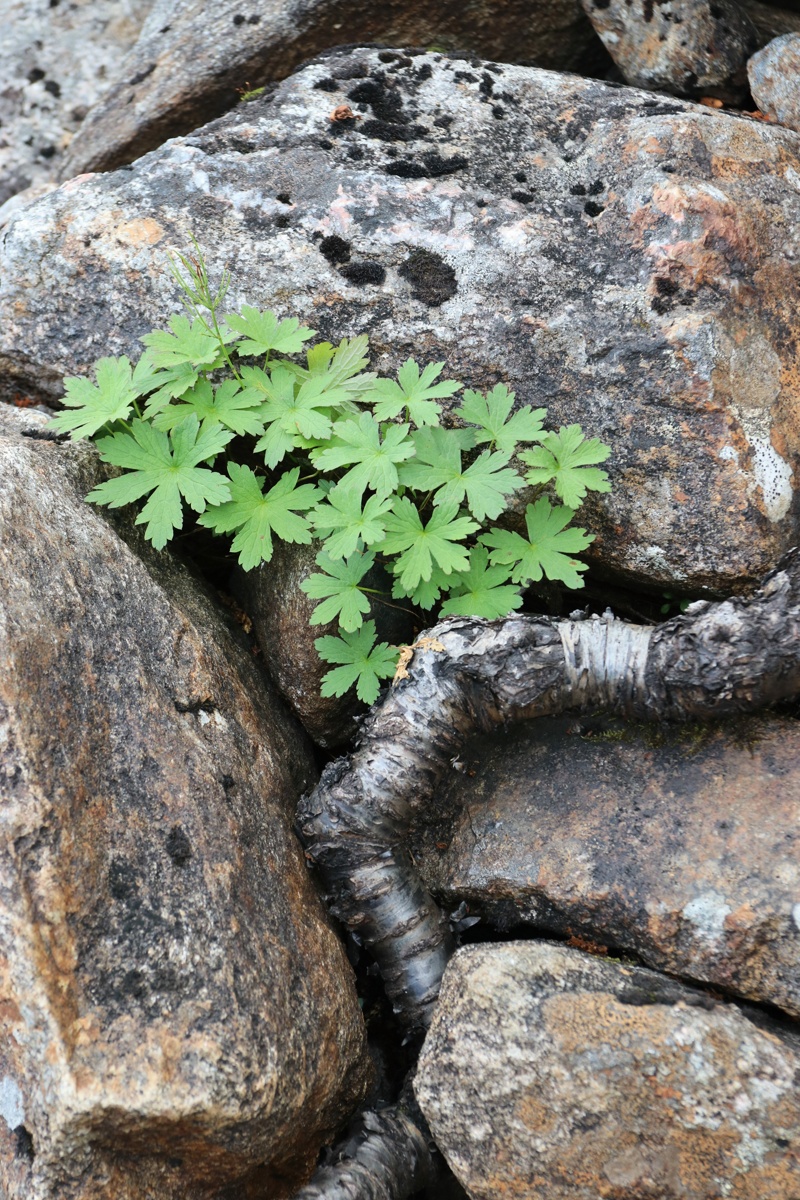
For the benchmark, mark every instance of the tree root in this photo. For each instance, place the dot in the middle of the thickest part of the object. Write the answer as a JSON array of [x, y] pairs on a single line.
[[472, 675]]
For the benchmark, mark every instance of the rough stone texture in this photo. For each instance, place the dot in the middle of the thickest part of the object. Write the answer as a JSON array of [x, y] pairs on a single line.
[[680, 845], [281, 615], [774, 75], [191, 60], [56, 60], [552, 1075], [771, 22], [686, 47], [177, 1013], [627, 261]]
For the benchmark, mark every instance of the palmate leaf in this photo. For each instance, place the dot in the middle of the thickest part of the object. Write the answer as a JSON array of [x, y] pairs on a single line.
[[371, 450], [189, 342], [482, 591], [491, 413], [364, 663], [90, 407], [227, 404], [344, 520], [546, 551], [563, 457], [427, 591], [343, 366], [265, 334], [167, 467], [485, 483], [420, 547], [339, 588], [258, 515], [414, 392]]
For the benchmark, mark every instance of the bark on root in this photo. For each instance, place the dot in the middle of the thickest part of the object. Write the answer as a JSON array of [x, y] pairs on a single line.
[[472, 675]]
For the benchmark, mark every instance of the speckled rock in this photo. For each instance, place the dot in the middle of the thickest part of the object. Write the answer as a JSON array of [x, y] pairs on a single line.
[[192, 62], [281, 615], [686, 47], [630, 262], [56, 60], [551, 1075], [774, 75], [177, 1014], [680, 846]]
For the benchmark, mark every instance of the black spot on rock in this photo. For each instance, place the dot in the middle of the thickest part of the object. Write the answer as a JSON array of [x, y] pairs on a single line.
[[355, 152], [592, 208], [255, 19], [406, 169], [178, 846], [364, 273], [326, 85], [335, 249], [465, 77], [283, 198], [47, 151], [423, 72], [24, 1143], [386, 102], [324, 144], [443, 122], [35, 74], [238, 19], [142, 75], [521, 177], [596, 188], [386, 131], [121, 879], [432, 279], [283, 221], [52, 87], [487, 85], [522, 197], [498, 112]]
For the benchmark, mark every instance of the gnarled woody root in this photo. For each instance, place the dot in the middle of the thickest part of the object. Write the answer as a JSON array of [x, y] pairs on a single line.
[[473, 675]]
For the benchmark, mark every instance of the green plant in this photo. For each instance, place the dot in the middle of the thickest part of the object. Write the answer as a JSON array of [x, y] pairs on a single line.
[[314, 446]]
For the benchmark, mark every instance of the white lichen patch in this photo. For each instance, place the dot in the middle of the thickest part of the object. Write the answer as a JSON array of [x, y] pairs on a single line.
[[11, 1102], [707, 912]]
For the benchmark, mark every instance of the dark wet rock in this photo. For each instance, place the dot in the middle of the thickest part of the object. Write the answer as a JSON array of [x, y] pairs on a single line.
[[281, 615], [550, 1073], [177, 1013], [685, 47], [774, 75], [772, 22], [678, 845], [647, 287], [193, 62], [56, 61]]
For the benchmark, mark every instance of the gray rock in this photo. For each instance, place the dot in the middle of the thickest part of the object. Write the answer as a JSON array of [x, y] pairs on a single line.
[[686, 47], [774, 75], [673, 844], [56, 60], [177, 1013], [281, 615], [630, 263], [191, 59], [549, 1073]]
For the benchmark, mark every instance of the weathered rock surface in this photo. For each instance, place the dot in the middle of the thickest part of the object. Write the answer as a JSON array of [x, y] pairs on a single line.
[[281, 615], [774, 75], [630, 263], [679, 845], [191, 60], [686, 47], [56, 60], [177, 1013], [549, 1073]]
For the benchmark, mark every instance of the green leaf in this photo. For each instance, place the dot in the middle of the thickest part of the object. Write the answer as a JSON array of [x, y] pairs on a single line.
[[165, 466], [427, 591], [437, 465], [365, 664], [421, 546], [359, 442], [563, 458], [264, 333], [491, 413], [547, 549], [258, 515], [188, 343], [89, 408], [414, 392], [482, 591], [339, 590], [300, 409], [344, 365], [343, 511], [227, 404]]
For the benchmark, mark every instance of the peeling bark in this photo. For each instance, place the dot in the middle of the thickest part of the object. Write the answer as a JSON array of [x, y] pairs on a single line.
[[393, 1161], [718, 658]]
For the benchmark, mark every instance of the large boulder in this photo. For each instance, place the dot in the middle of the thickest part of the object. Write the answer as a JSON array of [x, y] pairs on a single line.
[[627, 261], [177, 1013], [677, 845], [193, 61], [56, 60], [549, 1073], [774, 75]]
